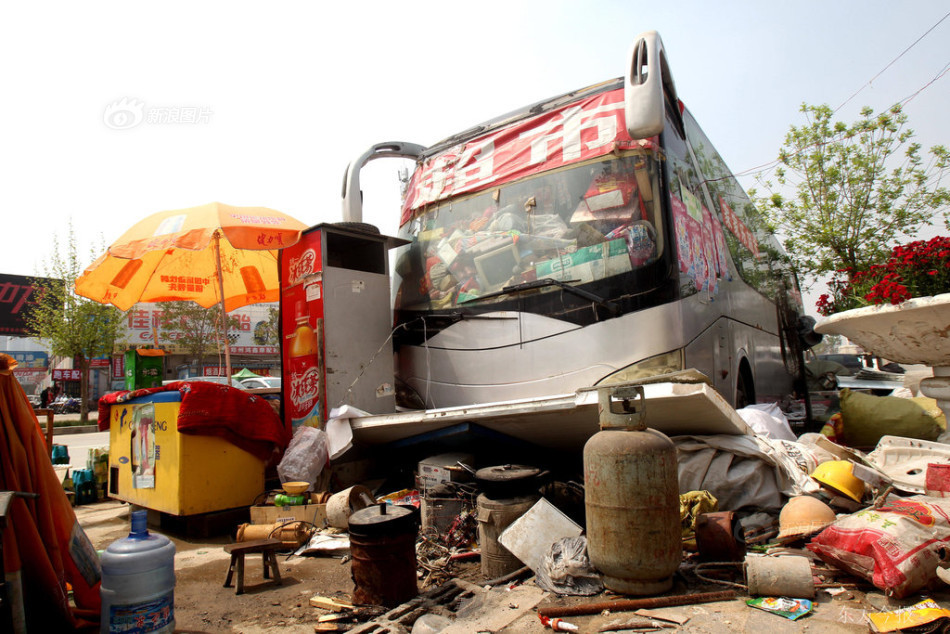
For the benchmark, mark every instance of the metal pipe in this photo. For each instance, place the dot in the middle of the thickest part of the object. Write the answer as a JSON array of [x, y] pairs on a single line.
[[224, 312], [626, 605]]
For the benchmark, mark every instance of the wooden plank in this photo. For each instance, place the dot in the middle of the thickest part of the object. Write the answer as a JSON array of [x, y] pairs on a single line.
[[330, 604]]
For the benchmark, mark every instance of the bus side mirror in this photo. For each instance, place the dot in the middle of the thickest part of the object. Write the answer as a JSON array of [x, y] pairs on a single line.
[[352, 194], [806, 332], [646, 77]]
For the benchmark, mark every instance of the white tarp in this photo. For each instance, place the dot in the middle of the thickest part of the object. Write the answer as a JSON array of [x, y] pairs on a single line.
[[746, 471]]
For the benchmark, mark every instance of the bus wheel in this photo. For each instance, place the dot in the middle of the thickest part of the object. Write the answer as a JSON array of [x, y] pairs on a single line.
[[745, 388]]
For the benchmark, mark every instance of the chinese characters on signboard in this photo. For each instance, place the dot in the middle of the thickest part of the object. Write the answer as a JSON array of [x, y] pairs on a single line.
[[67, 375], [144, 322], [30, 359], [17, 295]]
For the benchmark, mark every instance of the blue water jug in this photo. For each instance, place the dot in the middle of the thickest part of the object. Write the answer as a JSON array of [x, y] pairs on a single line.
[[138, 582]]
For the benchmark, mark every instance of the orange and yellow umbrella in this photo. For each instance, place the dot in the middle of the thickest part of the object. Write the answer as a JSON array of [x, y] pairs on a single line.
[[211, 254]]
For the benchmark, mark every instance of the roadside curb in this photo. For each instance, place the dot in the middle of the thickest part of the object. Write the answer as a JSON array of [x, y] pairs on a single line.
[[76, 429]]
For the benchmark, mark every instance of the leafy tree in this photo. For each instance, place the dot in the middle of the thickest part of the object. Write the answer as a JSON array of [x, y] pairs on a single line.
[[194, 328], [73, 326], [266, 333], [855, 190]]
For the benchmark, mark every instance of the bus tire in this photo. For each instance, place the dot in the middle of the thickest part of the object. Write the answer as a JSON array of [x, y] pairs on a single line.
[[745, 387]]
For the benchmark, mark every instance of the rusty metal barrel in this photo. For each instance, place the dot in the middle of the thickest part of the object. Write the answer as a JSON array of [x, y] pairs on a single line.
[[383, 547], [494, 516], [508, 492], [631, 497]]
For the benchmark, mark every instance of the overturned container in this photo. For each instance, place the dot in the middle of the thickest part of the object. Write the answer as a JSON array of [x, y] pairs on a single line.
[[631, 497]]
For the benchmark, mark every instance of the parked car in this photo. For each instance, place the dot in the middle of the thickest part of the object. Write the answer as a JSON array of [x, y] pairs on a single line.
[[258, 382], [210, 379]]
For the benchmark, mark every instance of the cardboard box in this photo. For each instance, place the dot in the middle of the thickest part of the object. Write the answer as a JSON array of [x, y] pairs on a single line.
[[588, 263], [443, 468], [314, 513]]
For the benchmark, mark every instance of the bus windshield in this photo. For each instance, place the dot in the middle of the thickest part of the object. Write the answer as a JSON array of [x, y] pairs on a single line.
[[574, 225]]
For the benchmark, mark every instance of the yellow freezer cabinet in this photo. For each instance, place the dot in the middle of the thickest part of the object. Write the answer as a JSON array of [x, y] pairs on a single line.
[[154, 466]]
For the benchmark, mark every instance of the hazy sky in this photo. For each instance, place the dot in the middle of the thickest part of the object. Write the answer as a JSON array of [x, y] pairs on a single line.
[[266, 103]]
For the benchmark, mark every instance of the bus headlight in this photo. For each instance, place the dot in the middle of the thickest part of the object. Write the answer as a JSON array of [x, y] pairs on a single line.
[[654, 366]]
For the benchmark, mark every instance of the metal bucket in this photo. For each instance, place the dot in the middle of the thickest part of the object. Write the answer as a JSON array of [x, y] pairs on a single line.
[[383, 547], [341, 505], [780, 577], [494, 516]]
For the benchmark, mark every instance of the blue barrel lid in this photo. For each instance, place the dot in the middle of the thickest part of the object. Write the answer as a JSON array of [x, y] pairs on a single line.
[[168, 396]]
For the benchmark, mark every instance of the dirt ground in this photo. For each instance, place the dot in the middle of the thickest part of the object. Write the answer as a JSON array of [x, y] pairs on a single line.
[[202, 604]]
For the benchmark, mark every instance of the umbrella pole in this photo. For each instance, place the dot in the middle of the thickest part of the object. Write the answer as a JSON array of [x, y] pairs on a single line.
[[224, 313]]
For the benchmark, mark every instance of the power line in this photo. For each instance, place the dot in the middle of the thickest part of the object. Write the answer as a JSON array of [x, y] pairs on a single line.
[[770, 165], [892, 62]]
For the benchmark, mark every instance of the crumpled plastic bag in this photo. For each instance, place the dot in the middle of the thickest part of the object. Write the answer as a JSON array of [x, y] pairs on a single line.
[[326, 544], [566, 569], [767, 419], [305, 456]]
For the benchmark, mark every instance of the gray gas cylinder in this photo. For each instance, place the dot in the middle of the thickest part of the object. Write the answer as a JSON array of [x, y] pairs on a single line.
[[631, 497]]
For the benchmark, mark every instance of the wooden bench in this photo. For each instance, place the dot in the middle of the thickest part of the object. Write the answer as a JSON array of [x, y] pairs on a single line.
[[268, 550]]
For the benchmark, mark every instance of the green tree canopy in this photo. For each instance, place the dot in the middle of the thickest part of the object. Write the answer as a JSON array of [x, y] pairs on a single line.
[[192, 327], [844, 195], [73, 326]]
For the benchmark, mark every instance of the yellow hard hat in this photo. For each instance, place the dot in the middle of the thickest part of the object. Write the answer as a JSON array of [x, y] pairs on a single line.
[[838, 475], [804, 515]]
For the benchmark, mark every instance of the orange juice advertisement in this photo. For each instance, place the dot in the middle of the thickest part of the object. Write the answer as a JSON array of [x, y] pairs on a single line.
[[302, 332]]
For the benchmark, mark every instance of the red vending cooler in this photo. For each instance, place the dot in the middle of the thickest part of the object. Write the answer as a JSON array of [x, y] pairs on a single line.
[[335, 324]]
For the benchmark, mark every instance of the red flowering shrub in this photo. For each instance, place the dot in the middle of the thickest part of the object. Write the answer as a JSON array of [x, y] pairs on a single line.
[[916, 269]]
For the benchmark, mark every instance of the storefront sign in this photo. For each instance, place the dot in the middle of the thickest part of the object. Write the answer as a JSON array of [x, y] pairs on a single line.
[[17, 295], [250, 336], [30, 359], [118, 367], [67, 375]]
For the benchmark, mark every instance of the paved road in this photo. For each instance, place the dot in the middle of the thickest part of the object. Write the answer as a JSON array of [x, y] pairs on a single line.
[[79, 445]]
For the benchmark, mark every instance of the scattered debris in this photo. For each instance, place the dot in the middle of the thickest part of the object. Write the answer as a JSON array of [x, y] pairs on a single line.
[[628, 605], [636, 623], [327, 603], [558, 625], [922, 613], [665, 615], [789, 608]]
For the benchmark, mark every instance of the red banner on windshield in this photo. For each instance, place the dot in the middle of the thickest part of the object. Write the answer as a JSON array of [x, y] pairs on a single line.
[[579, 131]]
